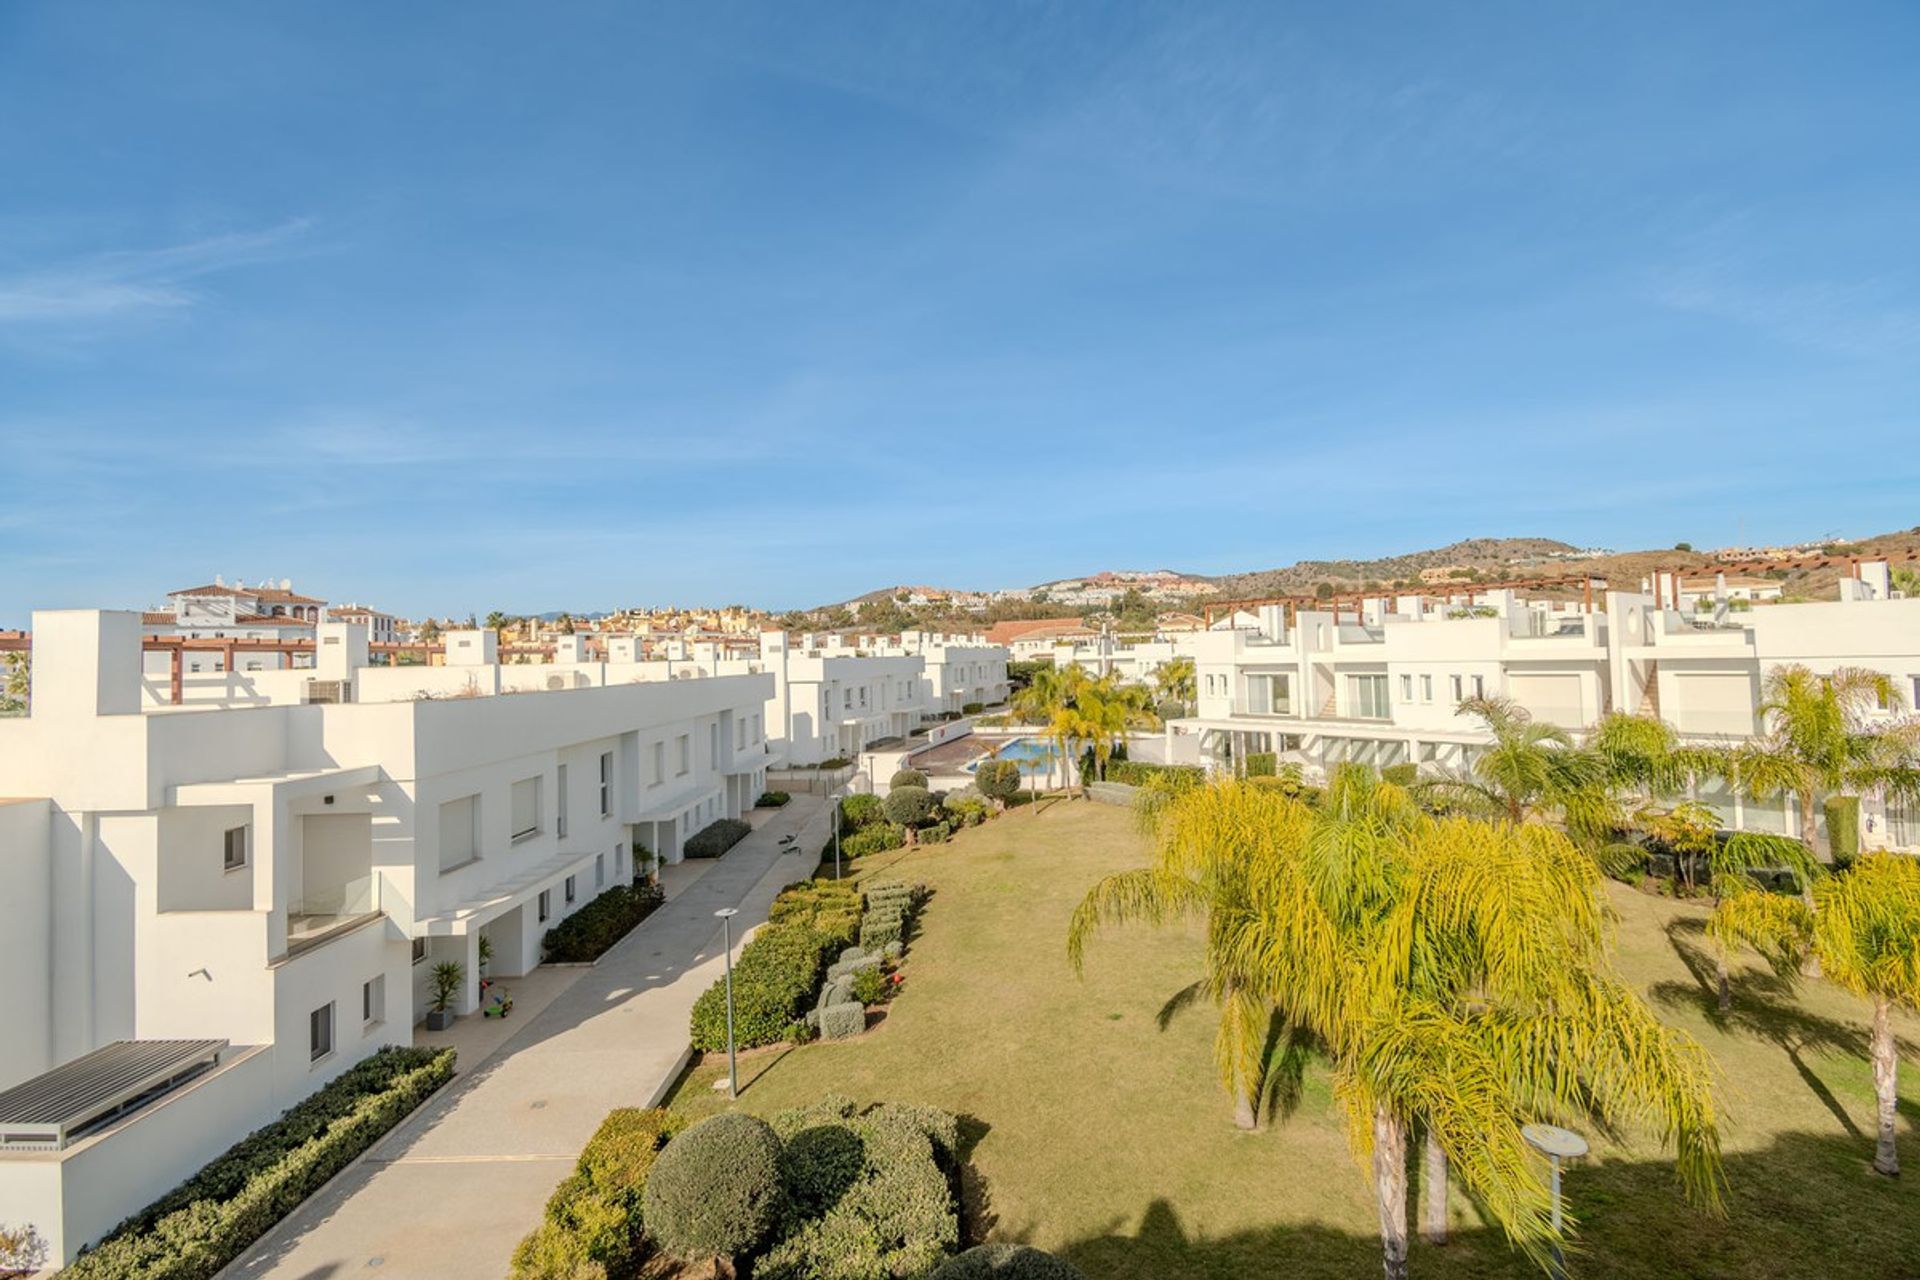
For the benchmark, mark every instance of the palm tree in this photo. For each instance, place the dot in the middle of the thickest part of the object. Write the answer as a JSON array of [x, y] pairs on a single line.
[[1730, 867], [1050, 689], [1817, 739], [1176, 680], [1532, 769], [1457, 971], [1204, 853], [1864, 928]]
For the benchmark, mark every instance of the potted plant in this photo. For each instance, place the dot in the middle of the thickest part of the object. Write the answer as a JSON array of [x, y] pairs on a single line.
[[448, 977]]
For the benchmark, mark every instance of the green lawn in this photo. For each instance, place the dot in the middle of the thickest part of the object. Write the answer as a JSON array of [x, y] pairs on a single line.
[[1106, 1138]]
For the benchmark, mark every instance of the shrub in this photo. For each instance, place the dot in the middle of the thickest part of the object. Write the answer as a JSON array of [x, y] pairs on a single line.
[[716, 838], [907, 778], [877, 1190], [1401, 775], [772, 799], [972, 708], [1000, 780], [878, 932], [773, 983], [829, 907], [938, 833], [909, 806], [1006, 1262], [1262, 764], [716, 1191], [586, 934], [196, 1229], [1843, 829], [594, 1215], [1622, 859], [843, 1020], [835, 762], [1170, 709], [860, 811], [873, 840], [870, 985]]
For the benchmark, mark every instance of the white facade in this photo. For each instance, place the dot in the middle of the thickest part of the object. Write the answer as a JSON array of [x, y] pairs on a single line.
[[1383, 688], [253, 865], [270, 611]]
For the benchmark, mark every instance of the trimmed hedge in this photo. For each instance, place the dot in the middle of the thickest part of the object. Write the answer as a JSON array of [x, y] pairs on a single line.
[[1262, 764], [872, 1193], [909, 806], [907, 778], [717, 1190], [585, 935], [972, 708], [593, 1217], [196, 1229], [1135, 772], [716, 838], [778, 972], [874, 839], [1006, 1262], [1843, 829], [860, 811], [772, 799], [1002, 780]]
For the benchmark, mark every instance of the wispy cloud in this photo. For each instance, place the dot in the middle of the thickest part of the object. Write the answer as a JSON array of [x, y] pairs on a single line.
[[134, 282]]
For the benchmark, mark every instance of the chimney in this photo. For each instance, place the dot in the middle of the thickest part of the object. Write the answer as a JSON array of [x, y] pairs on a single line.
[[86, 663]]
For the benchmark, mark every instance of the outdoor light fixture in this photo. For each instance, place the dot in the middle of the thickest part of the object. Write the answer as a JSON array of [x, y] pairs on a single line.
[[726, 915], [1556, 1144]]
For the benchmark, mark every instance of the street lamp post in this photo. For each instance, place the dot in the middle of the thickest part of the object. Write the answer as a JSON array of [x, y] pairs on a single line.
[[726, 915], [1556, 1144], [836, 837]]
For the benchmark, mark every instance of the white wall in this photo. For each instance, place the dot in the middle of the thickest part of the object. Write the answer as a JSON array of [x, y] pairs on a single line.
[[26, 886]]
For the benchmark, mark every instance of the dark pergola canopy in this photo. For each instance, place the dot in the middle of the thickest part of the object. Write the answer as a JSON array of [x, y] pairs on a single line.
[[56, 1107]]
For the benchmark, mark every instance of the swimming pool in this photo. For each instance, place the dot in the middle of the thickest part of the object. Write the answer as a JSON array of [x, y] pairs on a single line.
[[1033, 755]]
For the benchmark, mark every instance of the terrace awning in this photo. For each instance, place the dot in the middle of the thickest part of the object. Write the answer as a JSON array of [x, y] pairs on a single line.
[[55, 1107]]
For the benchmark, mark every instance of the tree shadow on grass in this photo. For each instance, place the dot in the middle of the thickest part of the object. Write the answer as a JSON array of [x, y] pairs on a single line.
[[1806, 1206]]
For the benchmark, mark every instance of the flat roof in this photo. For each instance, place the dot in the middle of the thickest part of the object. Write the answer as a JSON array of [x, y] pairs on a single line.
[[54, 1107]]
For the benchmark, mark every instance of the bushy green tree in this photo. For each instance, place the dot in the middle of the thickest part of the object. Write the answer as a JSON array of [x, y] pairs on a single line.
[[715, 1194]]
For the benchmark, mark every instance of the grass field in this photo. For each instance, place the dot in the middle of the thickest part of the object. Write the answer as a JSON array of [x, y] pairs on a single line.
[[1104, 1137]]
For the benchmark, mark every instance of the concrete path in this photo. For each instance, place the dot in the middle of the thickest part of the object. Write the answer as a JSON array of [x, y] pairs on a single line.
[[451, 1191]]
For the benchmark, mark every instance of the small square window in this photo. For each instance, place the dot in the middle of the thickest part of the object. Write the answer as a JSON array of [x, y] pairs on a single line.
[[606, 783], [570, 888], [599, 870], [546, 904], [235, 856], [373, 1000], [320, 1033], [419, 950]]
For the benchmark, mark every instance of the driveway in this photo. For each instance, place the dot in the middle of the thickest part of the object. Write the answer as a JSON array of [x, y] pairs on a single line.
[[452, 1190]]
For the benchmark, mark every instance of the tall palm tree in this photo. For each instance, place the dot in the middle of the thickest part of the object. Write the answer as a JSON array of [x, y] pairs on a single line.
[[1865, 930], [1457, 970], [1817, 738], [1050, 689], [1175, 679], [1205, 849], [1532, 769], [1730, 864]]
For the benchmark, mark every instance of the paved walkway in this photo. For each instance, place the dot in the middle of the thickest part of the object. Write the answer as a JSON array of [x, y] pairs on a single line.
[[450, 1192]]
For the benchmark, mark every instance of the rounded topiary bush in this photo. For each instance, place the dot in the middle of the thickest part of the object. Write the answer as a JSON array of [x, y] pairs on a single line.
[[908, 778], [1005, 1262], [998, 779], [909, 806], [716, 1190]]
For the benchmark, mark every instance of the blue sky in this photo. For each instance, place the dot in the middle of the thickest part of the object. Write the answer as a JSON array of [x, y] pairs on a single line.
[[451, 307]]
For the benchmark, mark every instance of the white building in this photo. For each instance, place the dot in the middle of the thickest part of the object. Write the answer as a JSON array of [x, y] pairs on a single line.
[[1382, 687], [961, 671], [272, 612], [382, 628], [266, 881]]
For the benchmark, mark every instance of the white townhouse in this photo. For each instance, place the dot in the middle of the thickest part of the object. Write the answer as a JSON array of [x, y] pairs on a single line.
[[382, 628], [1381, 685], [1129, 659], [272, 612], [960, 670], [220, 904]]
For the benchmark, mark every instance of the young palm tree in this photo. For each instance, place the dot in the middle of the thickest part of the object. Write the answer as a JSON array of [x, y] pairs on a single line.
[[1817, 738], [1176, 680], [1206, 845], [1531, 770], [1051, 689], [1457, 970], [1730, 865], [1865, 930]]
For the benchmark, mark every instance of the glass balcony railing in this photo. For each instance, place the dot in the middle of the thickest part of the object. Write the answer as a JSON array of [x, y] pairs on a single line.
[[321, 909]]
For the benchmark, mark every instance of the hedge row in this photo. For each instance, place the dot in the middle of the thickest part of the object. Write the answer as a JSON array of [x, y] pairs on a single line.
[[875, 839], [772, 799], [1135, 772], [193, 1231], [778, 972], [716, 838], [593, 1217], [585, 935]]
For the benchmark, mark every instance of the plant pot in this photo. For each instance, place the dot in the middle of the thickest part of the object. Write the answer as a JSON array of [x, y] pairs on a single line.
[[439, 1019]]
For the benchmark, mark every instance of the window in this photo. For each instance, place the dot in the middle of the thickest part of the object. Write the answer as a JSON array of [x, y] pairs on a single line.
[[373, 1000], [1457, 693], [713, 745], [1369, 697], [659, 763], [570, 888], [848, 700], [526, 808], [684, 743], [1270, 695], [1406, 688], [320, 1033], [235, 856], [1426, 688], [560, 803], [419, 950], [599, 870], [459, 832], [1479, 686], [619, 860], [606, 782], [546, 904]]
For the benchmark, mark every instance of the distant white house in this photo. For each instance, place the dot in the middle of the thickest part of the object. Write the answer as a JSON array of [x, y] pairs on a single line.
[[217, 611], [247, 892]]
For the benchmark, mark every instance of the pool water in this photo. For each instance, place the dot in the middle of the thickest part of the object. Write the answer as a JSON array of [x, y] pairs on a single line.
[[1033, 755]]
